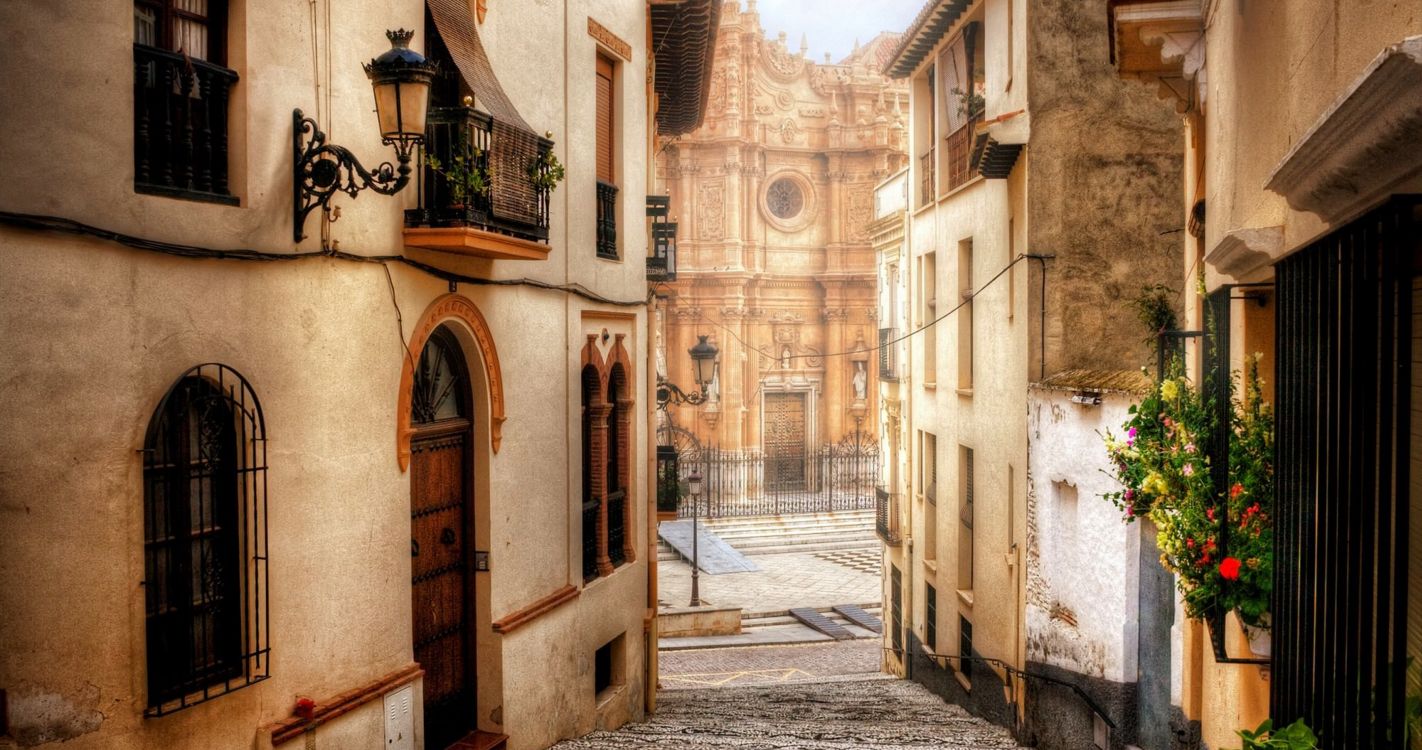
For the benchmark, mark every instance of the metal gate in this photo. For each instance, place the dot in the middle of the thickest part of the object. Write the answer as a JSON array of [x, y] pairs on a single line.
[[784, 441], [1341, 526], [835, 477]]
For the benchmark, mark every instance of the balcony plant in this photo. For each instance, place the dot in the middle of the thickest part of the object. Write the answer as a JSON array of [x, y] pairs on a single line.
[[970, 103], [545, 172], [463, 173]]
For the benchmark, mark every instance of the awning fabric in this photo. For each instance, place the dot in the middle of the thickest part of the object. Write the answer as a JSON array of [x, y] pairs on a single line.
[[457, 28]]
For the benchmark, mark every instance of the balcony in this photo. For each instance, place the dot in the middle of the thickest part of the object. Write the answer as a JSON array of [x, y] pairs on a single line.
[[180, 126], [888, 354], [886, 517], [606, 220], [661, 264], [960, 153], [479, 188]]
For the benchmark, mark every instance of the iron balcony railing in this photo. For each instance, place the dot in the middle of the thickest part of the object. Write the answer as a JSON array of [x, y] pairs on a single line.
[[180, 125], [960, 152], [927, 165], [888, 354], [477, 173], [886, 516], [661, 264], [616, 527], [606, 220]]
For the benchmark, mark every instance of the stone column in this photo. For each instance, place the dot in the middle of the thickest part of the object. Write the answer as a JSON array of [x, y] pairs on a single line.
[[837, 394], [734, 210]]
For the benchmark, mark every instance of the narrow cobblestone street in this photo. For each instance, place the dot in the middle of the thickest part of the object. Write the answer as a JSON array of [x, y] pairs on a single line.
[[869, 711]]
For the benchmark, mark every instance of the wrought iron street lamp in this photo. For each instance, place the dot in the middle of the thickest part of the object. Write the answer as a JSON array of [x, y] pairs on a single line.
[[693, 486], [703, 362], [401, 79]]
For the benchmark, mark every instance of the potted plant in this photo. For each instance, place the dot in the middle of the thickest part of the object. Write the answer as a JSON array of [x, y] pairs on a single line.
[[545, 171], [970, 103], [1248, 571], [463, 173], [1296, 736]]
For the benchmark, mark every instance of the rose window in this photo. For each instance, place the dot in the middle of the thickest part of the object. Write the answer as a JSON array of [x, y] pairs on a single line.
[[785, 199]]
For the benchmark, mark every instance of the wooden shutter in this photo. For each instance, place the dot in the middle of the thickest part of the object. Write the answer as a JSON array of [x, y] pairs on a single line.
[[604, 120]]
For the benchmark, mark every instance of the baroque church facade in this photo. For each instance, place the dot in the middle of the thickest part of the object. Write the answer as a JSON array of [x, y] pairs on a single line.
[[773, 194]]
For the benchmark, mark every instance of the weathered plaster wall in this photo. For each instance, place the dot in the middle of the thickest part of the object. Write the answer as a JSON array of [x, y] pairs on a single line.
[[99, 333], [1104, 186]]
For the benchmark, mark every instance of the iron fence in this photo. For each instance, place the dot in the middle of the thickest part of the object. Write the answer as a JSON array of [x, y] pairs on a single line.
[[834, 477]]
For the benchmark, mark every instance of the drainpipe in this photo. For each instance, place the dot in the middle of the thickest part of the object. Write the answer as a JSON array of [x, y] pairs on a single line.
[[649, 620]]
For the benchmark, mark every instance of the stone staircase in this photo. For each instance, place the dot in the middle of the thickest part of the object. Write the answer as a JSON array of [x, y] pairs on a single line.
[[808, 532]]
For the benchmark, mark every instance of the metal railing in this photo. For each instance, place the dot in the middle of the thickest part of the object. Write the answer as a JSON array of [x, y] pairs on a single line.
[[606, 220], [886, 517], [180, 125], [829, 478], [661, 264], [888, 354], [616, 527], [486, 176]]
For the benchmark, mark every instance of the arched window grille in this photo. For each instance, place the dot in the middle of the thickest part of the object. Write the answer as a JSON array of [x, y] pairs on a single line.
[[617, 447], [592, 494], [205, 540]]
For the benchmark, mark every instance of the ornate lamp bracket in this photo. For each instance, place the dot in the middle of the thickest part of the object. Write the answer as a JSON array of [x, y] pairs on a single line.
[[668, 393], [321, 169]]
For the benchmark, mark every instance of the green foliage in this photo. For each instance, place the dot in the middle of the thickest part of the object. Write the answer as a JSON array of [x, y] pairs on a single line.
[[1296, 736], [546, 171], [970, 104], [1165, 475], [463, 173], [1155, 310]]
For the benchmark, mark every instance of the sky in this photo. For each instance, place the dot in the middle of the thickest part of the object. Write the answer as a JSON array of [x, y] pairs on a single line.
[[832, 25]]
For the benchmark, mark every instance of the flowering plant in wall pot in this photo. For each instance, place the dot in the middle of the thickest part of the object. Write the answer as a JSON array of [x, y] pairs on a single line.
[[1165, 476]]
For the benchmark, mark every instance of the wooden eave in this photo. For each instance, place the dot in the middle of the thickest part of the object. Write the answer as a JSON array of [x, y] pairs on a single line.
[[927, 29], [475, 242], [683, 37], [1140, 31]]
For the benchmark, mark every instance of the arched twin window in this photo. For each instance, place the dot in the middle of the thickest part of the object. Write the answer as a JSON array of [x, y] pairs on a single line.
[[204, 533]]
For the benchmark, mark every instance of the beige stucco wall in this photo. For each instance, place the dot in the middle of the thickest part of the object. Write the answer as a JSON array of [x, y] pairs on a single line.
[[98, 333]]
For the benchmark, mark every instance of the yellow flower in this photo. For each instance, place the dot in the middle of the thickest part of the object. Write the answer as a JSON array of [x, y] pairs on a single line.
[[1154, 484], [1170, 390]]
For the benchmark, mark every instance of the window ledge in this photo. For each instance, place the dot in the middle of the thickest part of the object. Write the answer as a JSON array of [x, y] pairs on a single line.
[[198, 196], [930, 386], [475, 242], [965, 682], [931, 566], [966, 597], [964, 392]]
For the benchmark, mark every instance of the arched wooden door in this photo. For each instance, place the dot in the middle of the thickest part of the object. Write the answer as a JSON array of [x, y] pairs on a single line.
[[441, 538]]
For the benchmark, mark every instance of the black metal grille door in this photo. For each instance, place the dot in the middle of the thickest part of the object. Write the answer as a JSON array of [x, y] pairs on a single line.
[[441, 528], [784, 441], [1341, 546]]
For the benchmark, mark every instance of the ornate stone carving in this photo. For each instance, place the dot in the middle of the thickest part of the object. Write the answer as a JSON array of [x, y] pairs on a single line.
[[861, 211], [835, 314], [711, 211], [789, 131], [786, 317], [687, 314], [812, 111], [734, 313], [780, 63]]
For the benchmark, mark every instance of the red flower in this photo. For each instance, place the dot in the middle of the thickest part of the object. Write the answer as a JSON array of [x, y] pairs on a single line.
[[1229, 569], [1235, 490]]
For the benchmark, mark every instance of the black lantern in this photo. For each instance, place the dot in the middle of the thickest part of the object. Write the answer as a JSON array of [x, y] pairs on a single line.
[[703, 362], [703, 358], [401, 80]]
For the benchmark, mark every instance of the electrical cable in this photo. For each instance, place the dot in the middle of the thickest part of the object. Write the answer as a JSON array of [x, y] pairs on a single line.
[[62, 225]]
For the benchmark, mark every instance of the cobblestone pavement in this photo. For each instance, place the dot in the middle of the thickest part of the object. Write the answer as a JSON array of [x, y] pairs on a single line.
[[880, 713], [793, 579], [764, 665]]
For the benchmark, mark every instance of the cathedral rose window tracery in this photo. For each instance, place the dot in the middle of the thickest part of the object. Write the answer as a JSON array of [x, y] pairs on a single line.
[[785, 199]]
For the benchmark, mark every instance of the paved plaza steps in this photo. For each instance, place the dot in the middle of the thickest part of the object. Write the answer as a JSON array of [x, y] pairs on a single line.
[[752, 620], [810, 532], [844, 713]]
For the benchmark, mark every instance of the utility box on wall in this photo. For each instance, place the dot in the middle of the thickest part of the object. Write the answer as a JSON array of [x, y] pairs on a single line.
[[400, 719]]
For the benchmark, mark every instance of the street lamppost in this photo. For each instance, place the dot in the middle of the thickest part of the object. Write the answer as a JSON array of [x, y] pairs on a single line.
[[693, 484]]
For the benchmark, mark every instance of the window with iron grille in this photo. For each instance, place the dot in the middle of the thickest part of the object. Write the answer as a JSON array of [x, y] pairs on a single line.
[[965, 647], [617, 443], [592, 438], [180, 92], [965, 519], [930, 636], [205, 540], [605, 152], [896, 609]]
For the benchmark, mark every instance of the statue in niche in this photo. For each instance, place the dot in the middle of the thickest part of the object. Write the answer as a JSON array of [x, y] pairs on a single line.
[[785, 358], [861, 381]]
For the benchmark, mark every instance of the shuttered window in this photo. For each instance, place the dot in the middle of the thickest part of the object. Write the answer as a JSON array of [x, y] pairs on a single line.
[[605, 154]]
